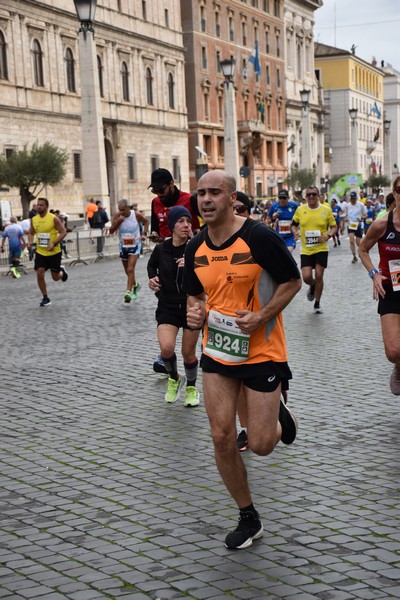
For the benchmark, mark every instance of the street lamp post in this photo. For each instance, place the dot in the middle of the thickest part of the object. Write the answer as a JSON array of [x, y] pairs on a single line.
[[305, 161], [94, 166], [230, 124], [353, 112], [387, 150]]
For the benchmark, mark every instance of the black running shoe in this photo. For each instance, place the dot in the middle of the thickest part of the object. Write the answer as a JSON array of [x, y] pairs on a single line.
[[242, 442], [250, 528], [311, 293], [64, 274], [159, 367], [45, 301], [288, 423]]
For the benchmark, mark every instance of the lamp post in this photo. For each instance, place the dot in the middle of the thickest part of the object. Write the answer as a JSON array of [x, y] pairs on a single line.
[[305, 161], [387, 149], [353, 112], [230, 124], [94, 166]]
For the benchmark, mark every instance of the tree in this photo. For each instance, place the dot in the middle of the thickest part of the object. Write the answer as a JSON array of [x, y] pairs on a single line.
[[299, 179], [377, 182], [30, 171]]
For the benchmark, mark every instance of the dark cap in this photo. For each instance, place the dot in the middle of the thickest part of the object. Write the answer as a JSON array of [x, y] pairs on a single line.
[[283, 194], [353, 194], [159, 178], [175, 214], [244, 199]]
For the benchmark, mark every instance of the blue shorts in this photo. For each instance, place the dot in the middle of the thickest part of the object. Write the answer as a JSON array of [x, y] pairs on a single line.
[[15, 253], [289, 241], [125, 253]]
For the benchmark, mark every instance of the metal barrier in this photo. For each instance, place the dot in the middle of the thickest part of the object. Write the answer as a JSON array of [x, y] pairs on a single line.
[[84, 246]]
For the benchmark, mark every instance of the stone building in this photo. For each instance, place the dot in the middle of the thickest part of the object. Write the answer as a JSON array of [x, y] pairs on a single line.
[[349, 82], [299, 40], [214, 30], [140, 60]]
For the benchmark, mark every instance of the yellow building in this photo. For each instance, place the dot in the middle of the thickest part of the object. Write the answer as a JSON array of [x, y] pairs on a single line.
[[353, 97]]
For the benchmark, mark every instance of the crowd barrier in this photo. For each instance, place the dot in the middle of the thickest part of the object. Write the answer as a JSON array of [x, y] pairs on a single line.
[[82, 246]]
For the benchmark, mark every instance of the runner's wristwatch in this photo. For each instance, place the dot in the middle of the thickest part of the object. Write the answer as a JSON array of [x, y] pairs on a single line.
[[372, 272]]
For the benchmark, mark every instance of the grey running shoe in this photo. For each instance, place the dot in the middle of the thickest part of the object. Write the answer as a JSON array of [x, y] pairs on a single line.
[[288, 423], [395, 381], [250, 528], [355, 259]]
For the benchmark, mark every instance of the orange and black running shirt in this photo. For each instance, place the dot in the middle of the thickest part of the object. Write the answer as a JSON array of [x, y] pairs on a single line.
[[242, 274]]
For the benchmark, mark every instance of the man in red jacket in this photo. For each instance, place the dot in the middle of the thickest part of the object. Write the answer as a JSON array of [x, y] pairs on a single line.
[[167, 196]]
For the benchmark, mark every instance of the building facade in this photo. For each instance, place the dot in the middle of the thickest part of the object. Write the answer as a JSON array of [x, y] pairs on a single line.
[[141, 81], [300, 75], [214, 30], [349, 82], [391, 93]]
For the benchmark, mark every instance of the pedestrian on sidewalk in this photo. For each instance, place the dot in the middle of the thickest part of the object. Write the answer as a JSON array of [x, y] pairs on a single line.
[[385, 231], [239, 276], [47, 231], [165, 271]]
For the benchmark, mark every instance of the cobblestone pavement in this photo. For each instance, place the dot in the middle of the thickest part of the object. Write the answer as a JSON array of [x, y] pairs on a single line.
[[107, 492]]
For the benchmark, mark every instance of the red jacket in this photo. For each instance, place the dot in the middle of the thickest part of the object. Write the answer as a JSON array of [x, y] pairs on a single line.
[[159, 213]]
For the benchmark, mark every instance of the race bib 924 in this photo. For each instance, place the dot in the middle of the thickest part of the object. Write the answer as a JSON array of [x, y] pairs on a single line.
[[225, 341]]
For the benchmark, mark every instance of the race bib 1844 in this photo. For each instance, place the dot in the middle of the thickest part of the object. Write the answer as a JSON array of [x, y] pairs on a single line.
[[225, 341]]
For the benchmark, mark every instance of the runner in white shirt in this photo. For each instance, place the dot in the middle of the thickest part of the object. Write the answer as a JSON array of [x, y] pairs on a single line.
[[356, 212]]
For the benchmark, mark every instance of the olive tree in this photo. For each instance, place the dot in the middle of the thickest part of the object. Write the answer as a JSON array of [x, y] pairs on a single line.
[[32, 170]]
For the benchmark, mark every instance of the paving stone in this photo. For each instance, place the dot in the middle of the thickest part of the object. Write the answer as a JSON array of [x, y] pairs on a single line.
[[104, 482]]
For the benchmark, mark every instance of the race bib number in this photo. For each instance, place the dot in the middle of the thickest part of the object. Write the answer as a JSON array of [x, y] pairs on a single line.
[[394, 268], [353, 225], [225, 341], [128, 240], [43, 240], [312, 238], [284, 227]]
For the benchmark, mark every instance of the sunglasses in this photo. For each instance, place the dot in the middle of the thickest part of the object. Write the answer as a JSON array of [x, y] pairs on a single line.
[[397, 189], [240, 209], [159, 190], [312, 194]]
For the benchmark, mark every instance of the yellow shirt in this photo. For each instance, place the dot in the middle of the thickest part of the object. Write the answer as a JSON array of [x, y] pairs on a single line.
[[313, 223], [45, 234]]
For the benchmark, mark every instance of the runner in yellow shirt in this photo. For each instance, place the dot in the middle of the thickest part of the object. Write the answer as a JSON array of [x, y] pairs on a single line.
[[315, 221], [48, 232]]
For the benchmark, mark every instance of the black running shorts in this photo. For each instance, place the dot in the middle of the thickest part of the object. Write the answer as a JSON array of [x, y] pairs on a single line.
[[310, 260], [261, 377], [52, 262], [390, 304]]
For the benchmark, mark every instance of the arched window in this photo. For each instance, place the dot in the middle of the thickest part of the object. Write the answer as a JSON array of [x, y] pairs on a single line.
[[37, 63], [3, 57], [149, 87], [125, 81], [171, 91], [70, 69], [100, 70]]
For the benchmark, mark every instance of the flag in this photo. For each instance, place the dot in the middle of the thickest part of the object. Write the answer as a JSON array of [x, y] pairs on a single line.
[[376, 110], [376, 137], [261, 110], [254, 60]]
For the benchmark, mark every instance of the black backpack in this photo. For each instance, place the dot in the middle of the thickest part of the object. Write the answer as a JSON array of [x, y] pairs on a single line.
[[98, 218]]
